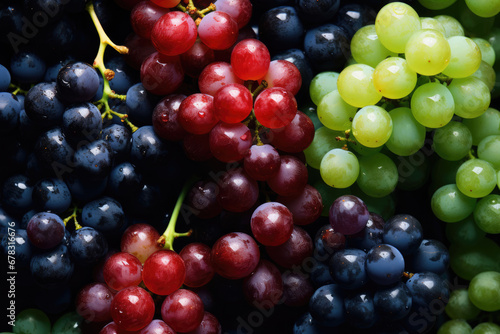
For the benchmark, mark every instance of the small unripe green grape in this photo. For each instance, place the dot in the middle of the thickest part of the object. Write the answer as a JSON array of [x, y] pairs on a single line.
[[436, 4], [432, 23], [460, 307], [394, 24], [451, 25], [339, 168], [484, 291], [32, 321], [465, 57], [366, 47], [453, 141], [487, 214], [432, 105], [486, 74], [408, 135], [450, 205], [393, 78], [378, 175], [476, 178], [489, 150], [483, 126], [355, 85], [487, 51], [484, 8], [464, 232], [69, 323], [486, 328], [335, 113], [372, 126], [468, 260], [456, 326], [324, 141], [322, 84], [471, 95], [428, 52]]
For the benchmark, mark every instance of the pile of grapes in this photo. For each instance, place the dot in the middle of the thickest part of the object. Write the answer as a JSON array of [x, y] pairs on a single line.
[[250, 166]]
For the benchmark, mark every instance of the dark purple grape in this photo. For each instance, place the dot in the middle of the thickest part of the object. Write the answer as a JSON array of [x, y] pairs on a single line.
[[347, 267], [202, 199], [45, 230], [432, 255], [261, 162], [305, 207], [237, 191], [403, 232], [370, 236], [297, 289], [294, 251], [348, 214], [393, 302], [88, 246], [77, 82], [384, 264], [264, 287], [272, 224], [360, 309], [291, 177], [327, 305]]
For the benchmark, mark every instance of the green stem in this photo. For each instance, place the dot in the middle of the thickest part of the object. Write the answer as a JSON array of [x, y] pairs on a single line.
[[73, 216], [17, 89], [261, 87], [166, 240], [471, 155]]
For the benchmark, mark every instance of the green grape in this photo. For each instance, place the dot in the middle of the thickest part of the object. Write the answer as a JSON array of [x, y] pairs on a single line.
[[378, 175], [339, 168], [474, 25], [393, 78], [432, 23], [469, 260], [69, 323], [471, 95], [329, 195], [451, 25], [366, 47], [408, 135], [483, 126], [436, 4], [384, 206], [484, 291], [432, 105], [487, 51], [324, 141], [459, 306], [372, 126], [465, 57], [394, 24], [322, 84], [487, 74], [487, 214], [445, 171], [486, 328], [476, 178], [414, 171], [356, 146], [456, 326], [489, 150], [450, 205], [355, 85], [484, 8], [464, 232], [335, 113], [453, 141], [428, 52], [32, 321]]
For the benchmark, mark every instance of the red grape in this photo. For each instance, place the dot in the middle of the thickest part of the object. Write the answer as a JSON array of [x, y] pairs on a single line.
[[240, 10], [166, 3], [197, 147], [209, 325], [199, 270], [275, 107], [163, 272], [93, 302], [174, 33], [132, 308], [112, 328], [235, 255], [250, 59], [237, 191], [348, 214], [230, 142], [294, 251], [196, 59], [216, 75], [157, 327], [140, 240], [297, 289], [122, 270], [284, 74], [165, 118], [160, 74], [144, 16], [296, 136], [233, 103], [291, 177], [264, 287], [196, 113], [244, 33], [182, 310], [305, 207], [138, 50], [218, 30], [272, 224], [45, 230], [330, 240], [202, 199], [262, 162]]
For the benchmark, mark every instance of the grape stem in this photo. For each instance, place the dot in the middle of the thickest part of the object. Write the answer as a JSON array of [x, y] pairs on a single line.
[[263, 85], [73, 216], [166, 240], [471, 155], [107, 74], [195, 13], [17, 89]]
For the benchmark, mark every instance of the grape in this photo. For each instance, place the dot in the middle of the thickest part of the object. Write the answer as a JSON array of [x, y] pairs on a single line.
[[487, 51], [361, 150], [235, 255], [372, 126], [432, 105], [82, 122], [305, 207], [157, 327], [199, 270], [366, 47], [394, 24], [163, 272], [347, 267], [393, 302], [487, 214], [307, 323], [174, 33], [122, 270], [355, 86], [348, 215], [132, 308], [339, 168], [476, 178], [468, 260], [262, 162], [32, 320], [182, 310], [432, 24], [297, 289], [197, 58], [275, 107], [166, 3], [432, 255], [230, 142], [272, 224], [426, 288], [291, 177], [334, 112], [384, 264], [240, 11], [486, 328], [324, 141], [250, 59], [407, 135], [484, 8], [484, 291], [294, 251], [403, 232], [327, 305], [450, 205], [216, 75], [93, 302], [140, 240], [394, 78], [428, 52], [488, 149], [436, 4], [161, 74], [294, 137], [460, 306], [264, 287], [104, 214], [45, 230], [378, 175], [458, 326], [68, 323], [360, 309], [284, 74], [453, 141], [77, 82], [471, 96], [197, 113], [233, 103], [465, 57], [202, 198], [43, 105], [322, 84], [144, 16], [218, 30], [138, 49], [452, 26], [165, 118], [483, 126], [464, 232], [237, 191]]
